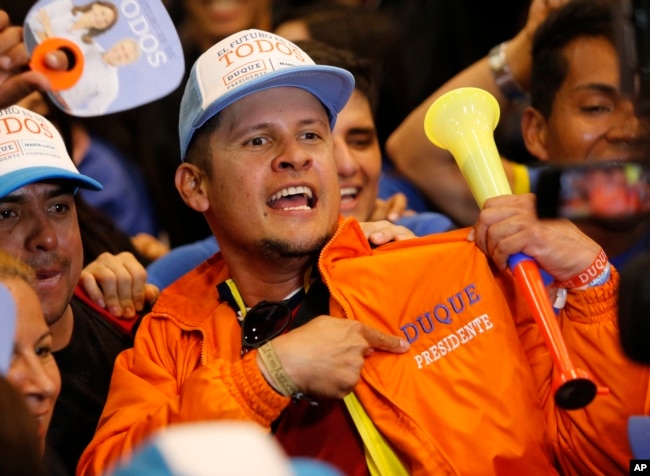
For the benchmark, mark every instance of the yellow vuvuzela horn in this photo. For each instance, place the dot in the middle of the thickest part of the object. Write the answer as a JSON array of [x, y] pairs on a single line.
[[463, 121]]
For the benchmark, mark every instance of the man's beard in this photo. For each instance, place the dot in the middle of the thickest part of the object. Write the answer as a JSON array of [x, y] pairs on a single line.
[[276, 248]]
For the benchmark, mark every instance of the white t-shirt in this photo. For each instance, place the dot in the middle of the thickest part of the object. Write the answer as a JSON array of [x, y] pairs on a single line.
[[61, 20]]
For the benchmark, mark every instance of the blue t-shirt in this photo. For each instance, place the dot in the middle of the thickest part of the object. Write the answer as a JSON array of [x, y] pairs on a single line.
[[391, 183], [179, 261], [125, 198]]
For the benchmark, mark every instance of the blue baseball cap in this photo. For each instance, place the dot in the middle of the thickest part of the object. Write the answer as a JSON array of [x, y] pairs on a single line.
[[233, 448], [32, 150], [638, 431], [251, 61], [7, 328]]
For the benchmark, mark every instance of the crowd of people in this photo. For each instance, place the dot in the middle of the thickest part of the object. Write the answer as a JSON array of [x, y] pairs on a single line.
[[316, 269]]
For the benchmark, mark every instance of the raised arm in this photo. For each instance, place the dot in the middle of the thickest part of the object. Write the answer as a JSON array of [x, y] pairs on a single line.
[[15, 81], [433, 170]]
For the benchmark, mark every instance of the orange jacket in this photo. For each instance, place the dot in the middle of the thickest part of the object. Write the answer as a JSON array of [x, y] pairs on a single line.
[[472, 395]]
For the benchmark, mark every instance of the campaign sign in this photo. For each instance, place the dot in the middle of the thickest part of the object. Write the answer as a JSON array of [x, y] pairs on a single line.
[[125, 52]]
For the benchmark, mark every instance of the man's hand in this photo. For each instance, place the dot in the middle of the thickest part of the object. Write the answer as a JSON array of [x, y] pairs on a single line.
[[519, 53], [537, 13], [118, 284], [149, 246], [325, 356], [380, 232], [392, 209], [15, 82], [508, 224]]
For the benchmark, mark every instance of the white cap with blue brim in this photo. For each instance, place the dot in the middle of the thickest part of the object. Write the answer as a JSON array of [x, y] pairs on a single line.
[[32, 150], [251, 61]]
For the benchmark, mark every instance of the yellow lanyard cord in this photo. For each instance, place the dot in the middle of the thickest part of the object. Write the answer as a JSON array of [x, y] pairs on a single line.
[[240, 301], [381, 459]]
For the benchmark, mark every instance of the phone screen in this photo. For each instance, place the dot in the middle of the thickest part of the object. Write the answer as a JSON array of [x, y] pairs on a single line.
[[606, 190]]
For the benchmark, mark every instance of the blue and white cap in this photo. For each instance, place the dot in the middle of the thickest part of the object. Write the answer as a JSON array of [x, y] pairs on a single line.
[[233, 448], [7, 328], [32, 150], [251, 61], [638, 432]]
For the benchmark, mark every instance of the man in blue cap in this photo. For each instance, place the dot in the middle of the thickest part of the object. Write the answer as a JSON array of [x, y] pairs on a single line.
[[38, 225]]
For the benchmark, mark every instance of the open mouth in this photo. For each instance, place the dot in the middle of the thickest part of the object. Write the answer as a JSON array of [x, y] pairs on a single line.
[[349, 193], [47, 279], [45, 274], [225, 8], [293, 198], [221, 3]]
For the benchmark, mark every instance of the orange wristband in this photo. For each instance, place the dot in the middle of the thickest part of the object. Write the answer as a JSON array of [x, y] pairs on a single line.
[[588, 275]]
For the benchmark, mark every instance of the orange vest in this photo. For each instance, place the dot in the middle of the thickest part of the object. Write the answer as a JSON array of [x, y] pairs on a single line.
[[472, 396]]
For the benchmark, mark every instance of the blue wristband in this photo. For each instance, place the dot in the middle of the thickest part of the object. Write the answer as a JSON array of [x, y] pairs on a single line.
[[602, 278]]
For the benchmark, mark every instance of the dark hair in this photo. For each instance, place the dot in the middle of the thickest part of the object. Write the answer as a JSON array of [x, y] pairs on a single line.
[[100, 234], [92, 32], [198, 150], [19, 445], [576, 19], [363, 70], [370, 34]]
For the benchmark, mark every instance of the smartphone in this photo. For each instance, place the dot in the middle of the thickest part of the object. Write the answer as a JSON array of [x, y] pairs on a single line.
[[604, 190]]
